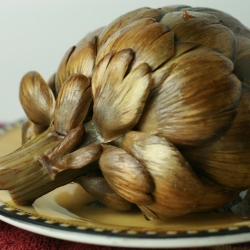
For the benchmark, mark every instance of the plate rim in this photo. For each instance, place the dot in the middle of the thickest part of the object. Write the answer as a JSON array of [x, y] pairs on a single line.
[[70, 232], [114, 240]]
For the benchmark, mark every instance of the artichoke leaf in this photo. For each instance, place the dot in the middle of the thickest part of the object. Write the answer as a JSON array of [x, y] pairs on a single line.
[[180, 48], [199, 94], [77, 159], [104, 73], [214, 196], [118, 101], [241, 66], [226, 161], [177, 188], [61, 75], [128, 18], [229, 21], [79, 59], [37, 99], [126, 176], [147, 38], [82, 59], [72, 103], [205, 29], [99, 188]]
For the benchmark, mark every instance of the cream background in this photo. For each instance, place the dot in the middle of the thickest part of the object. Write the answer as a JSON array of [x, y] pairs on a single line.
[[35, 34]]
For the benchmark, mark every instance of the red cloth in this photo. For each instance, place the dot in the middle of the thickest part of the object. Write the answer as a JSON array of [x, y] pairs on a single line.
[[12, 238]]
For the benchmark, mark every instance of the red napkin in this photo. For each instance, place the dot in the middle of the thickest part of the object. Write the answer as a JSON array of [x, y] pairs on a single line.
[[12, 238]]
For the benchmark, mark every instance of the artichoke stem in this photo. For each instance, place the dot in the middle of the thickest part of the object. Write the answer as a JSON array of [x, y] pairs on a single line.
[[14, 166], [20, 172], [29, 173]]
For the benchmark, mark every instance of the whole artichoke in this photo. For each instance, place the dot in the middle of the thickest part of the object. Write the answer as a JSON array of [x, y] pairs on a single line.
[[152, 110]]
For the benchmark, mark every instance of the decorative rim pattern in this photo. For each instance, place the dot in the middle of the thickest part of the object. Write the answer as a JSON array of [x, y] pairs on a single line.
[[15, 214], [18, 214]]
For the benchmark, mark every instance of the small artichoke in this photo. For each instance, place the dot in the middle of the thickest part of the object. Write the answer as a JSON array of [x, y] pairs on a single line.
[[151, 111]]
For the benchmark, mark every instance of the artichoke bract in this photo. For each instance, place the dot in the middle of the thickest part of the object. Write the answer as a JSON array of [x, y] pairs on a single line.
[[151, 111]]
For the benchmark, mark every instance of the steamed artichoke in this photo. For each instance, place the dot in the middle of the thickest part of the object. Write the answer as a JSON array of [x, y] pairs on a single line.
[[151, 111]]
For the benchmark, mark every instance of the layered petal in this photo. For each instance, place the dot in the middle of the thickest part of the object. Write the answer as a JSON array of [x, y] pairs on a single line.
[[226, 162], [72, 103], [203, 28], [126, 176], [119, 98], [197, 101], [99, 188], [151, 41], [177, 188], [37, 99]]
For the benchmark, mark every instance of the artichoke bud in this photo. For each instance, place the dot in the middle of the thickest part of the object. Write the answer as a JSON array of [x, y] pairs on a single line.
[[126, 176], [159, 99]]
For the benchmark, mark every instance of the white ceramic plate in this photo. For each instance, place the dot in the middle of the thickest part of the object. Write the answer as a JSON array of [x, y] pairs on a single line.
[[67, 213]]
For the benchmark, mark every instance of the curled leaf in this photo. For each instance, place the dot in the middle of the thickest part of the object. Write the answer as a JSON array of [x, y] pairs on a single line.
[[127, 19], [177, 188], [226, 161], [118, 98], [199, 94], [72, 103], [61, 74], [205, 29], [126, 176], [37, 99], [150, 40]]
